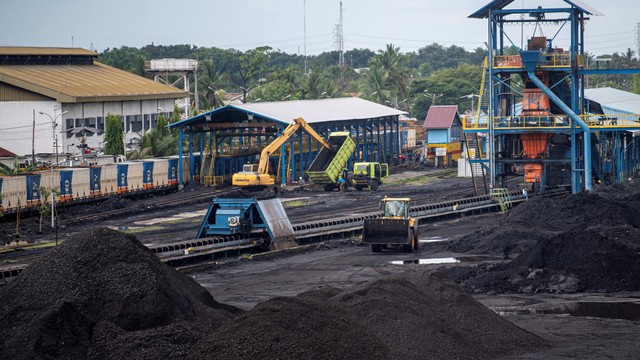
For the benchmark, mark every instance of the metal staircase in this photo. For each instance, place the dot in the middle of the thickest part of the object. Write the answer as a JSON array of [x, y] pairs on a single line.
[[501, 195], [475, 159]]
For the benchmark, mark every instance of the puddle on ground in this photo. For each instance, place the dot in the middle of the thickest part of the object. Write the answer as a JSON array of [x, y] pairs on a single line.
[[448, 260], [433, 239], [625, 310], [445, 260]]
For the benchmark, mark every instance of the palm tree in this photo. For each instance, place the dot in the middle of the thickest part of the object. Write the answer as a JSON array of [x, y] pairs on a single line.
[[395, 64], [157, 142], [210, 83], [376, 85]]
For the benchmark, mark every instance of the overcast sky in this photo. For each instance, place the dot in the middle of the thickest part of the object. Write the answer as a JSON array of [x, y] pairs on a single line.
[[246, 24]]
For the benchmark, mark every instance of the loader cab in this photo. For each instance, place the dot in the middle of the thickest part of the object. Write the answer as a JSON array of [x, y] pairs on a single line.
[[396, 208]]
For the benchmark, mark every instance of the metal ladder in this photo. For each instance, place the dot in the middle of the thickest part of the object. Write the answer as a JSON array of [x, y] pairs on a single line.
[[501, 195], [474, 152]]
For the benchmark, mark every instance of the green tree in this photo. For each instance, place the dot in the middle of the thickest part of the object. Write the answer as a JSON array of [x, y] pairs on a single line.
[[251, 69], [211, 80], [448, 85], [157, 142], [114, 137]]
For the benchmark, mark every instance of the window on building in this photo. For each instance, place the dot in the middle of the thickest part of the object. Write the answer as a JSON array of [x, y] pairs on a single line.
[[146, 121], [100, 123], [136, 123], [69, 127]]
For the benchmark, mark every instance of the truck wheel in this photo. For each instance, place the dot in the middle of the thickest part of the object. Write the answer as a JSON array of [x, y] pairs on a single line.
[[376, 247], [329, 187], [374, 184], [359, 188]]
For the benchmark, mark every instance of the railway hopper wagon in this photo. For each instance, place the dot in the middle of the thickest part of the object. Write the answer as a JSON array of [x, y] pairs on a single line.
[[13, 190], [130, 177], [73, 183]]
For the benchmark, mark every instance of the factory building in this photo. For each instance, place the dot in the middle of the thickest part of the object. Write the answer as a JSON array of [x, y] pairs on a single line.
[[231, 136], [56, 100]]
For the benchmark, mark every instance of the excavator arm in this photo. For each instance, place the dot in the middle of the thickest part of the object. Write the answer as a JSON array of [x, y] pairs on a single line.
[[284, 136]]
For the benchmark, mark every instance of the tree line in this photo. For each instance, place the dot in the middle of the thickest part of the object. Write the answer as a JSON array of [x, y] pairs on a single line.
[[413, 81]]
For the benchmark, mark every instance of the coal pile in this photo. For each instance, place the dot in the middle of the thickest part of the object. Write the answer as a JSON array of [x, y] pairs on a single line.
[[292, 328], [102, 294], [575, 243], [415, 315]]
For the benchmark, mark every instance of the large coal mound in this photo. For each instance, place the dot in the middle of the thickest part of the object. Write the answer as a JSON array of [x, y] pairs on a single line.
[[419, 314], [582, 242], [102, 294]]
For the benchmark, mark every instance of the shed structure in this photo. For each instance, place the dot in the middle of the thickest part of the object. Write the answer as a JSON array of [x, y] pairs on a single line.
[[231, 136], [444, 128]]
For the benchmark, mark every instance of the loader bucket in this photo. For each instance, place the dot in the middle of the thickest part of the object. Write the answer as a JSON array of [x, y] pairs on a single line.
[[386, 231]]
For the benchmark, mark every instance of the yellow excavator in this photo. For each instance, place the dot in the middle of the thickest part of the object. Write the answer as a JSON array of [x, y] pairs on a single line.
[[257, 175]]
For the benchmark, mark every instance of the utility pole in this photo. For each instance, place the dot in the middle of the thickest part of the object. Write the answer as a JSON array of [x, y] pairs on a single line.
[[638, 38]]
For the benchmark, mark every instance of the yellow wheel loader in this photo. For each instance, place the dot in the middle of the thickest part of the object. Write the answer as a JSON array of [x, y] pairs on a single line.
[[395, 228]]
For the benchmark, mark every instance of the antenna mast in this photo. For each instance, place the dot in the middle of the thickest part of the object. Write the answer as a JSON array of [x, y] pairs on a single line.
[[339, 39], [304, 10]]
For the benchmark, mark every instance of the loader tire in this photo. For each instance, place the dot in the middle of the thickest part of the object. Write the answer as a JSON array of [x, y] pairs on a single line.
[[376, 247], [416, 243], [373, 184]]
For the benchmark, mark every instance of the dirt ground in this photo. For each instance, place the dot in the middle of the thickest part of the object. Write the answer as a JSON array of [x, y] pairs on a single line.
[[538, 298]]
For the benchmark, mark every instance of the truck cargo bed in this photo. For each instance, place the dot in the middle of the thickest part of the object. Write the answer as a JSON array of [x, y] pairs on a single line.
[[328, 165]]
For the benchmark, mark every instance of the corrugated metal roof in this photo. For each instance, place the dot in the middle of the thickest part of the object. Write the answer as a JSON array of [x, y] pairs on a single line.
[[84, 83], [483, 12], [322, 110], [441, 117], [615, 99], [312, 111], [43, 51]]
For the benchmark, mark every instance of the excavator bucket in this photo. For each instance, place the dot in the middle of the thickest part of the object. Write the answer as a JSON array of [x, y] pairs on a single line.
[[386, 231]]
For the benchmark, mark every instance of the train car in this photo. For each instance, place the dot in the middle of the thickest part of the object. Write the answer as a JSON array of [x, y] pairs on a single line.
[[197, 164], [109, 179], [33, 189], [130, 177], [95, 177], [75, 183], [14, 192], [161, 173], [172, 171]]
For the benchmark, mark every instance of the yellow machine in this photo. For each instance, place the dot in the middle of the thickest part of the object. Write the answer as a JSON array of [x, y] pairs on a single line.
[[257, 175], [395, 228]]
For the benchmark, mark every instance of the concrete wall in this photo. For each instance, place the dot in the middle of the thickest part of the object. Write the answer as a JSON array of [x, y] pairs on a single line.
[[16, 126]]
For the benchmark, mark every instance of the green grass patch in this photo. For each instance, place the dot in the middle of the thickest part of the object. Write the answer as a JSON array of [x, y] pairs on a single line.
[[44, 245], [416, 180], [294, 204], [8, 261]]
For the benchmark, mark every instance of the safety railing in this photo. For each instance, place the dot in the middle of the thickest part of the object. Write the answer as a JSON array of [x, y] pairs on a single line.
[[554, 60], [551, 121]]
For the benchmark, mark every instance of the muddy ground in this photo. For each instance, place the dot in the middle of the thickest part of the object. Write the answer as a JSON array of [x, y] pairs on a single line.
[[537, 297]]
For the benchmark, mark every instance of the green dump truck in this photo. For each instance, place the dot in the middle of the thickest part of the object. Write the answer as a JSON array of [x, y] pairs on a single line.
[[330, 164], [369, 175]]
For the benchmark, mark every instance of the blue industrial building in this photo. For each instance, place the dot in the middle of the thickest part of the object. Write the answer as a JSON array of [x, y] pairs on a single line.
[[533, 107], [226, 138]]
